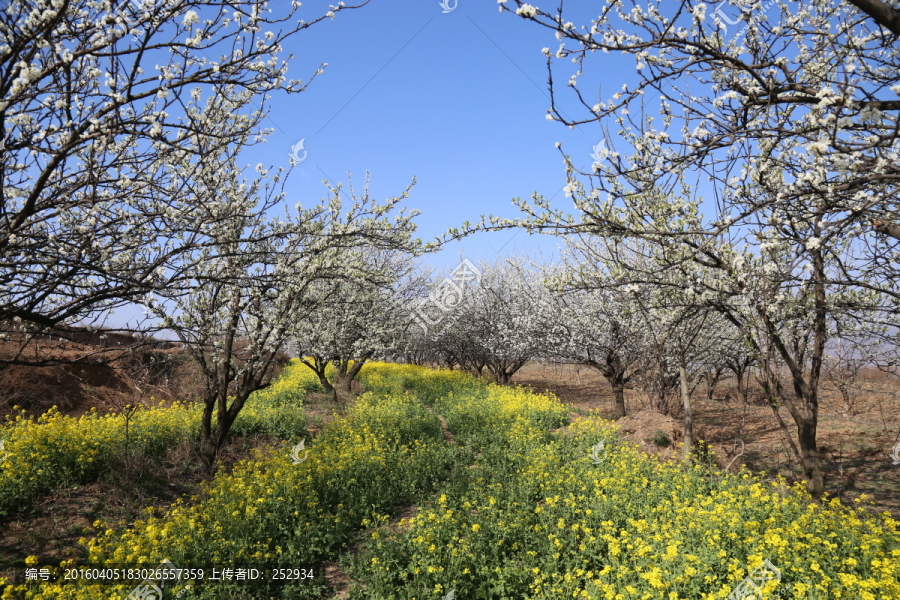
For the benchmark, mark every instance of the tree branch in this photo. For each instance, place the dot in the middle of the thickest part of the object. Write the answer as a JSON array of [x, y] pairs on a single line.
[[884, 228], [883, 14]]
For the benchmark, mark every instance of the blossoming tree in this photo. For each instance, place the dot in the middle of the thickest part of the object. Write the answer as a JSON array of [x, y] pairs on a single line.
[[509, 316], [794, 121], [357, 318], [235, 305], [99, 104], [600, 328]]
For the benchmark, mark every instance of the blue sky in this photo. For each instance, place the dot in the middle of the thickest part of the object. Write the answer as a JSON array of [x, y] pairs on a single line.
[[456, 99]]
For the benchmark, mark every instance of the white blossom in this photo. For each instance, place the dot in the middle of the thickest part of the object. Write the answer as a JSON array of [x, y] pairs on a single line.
[[190, 17], [700, 11]]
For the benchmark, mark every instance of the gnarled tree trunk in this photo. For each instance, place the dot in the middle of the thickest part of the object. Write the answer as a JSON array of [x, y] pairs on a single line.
[[318, 366], [346, 370], [688, 415]]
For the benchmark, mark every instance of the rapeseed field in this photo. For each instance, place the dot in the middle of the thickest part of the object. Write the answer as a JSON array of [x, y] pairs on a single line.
[[522, 504]]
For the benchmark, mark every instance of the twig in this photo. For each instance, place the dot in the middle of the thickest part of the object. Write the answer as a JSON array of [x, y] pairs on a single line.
[[736, 456]]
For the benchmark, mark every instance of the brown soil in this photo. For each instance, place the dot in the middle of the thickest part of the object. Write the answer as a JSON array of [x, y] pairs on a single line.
[[855, 444], [104, 379], [448, 435], [336, 579], [322, 409], [80, 377], [581, 387], [653, 432]]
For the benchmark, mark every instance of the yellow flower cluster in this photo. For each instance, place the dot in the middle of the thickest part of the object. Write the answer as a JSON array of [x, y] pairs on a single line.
[[42, 454], [430, 384], [556, 516], [277, 511], [295, 381]]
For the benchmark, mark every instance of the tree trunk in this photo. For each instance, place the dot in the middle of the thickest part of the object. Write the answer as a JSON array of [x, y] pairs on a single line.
[[803, 406], [347, 383], [712, 380], [659, 401], [688, 416], [212, 438], [618, 386], [209, 450], [743, 384], [326, 385], [784, 429], [844, 389], [318, 367], [803, 402], [665, 389], [503, 371], [806, 434], [345, 374], [342, 381], [614, 372]]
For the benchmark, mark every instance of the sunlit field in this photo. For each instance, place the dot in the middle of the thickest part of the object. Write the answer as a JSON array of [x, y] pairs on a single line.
[[511, 501], [585, 300]]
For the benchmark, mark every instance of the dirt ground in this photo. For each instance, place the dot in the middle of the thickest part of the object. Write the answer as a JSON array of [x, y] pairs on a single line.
[[106, 382], [855, 445], [106, 379]]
